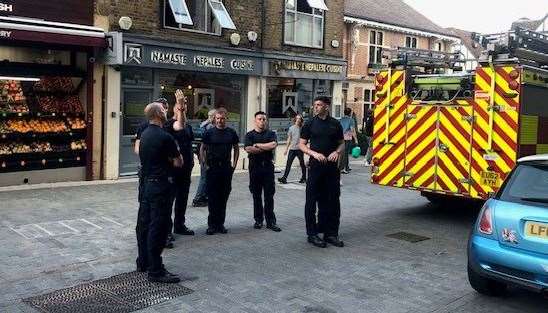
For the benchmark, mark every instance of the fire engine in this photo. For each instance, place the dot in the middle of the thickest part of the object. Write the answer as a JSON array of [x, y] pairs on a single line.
[[450, 133]]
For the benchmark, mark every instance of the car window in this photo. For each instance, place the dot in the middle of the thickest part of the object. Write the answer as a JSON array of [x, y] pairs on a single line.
[[528, 184]]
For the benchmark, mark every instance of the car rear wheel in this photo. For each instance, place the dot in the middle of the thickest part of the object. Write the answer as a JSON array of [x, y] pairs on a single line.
[[485, 285]]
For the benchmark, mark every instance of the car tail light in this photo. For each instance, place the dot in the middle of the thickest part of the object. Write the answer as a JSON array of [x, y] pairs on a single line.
[[486, 221]]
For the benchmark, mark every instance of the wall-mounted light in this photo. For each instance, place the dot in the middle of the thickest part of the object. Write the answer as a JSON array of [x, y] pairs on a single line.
[[189, 87], [235, 39], [252, 36], [125, 22]]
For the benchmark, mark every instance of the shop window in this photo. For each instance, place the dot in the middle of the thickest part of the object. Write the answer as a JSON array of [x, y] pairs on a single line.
[[376, 42], [411, 42], [206, 91], [304, 23], [288, 97], [208, 16], [137, 76]]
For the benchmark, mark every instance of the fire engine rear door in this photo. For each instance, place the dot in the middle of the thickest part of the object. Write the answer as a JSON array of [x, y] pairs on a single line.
[[420, 146], [454, 149]]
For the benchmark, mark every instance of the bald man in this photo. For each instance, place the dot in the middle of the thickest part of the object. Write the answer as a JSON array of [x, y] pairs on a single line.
[[158, 153]]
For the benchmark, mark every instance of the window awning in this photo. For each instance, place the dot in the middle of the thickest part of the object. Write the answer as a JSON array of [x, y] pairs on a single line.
[[318, 4], [180, 12], [31, 30], [221, 14]]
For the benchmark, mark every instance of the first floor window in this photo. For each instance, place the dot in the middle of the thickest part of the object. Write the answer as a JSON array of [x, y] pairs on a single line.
[[376, 41], [304, 23], [208, 16], [411, 42]]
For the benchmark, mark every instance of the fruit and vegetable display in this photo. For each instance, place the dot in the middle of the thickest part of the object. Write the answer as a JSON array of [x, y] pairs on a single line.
[[76, 123], [56, 104], [42, 124]]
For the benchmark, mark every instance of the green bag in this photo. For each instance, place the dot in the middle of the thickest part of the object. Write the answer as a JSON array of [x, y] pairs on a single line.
[[356, 152]]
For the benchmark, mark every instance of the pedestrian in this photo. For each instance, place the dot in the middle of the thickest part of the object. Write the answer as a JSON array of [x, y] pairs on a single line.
[[368, 130], [217, 144], [200, 199], [325, 136], [293, 137], [158, 153], [182, 132], [260, 144], [349, 133]]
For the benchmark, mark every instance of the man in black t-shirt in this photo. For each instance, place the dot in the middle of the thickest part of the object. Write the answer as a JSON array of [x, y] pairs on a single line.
[[259, 144], [158, 153], [325, 136], [217, 144], [182, 132]]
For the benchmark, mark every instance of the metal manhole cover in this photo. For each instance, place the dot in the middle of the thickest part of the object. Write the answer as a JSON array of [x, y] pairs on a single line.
[[413, 238], [118, 294]]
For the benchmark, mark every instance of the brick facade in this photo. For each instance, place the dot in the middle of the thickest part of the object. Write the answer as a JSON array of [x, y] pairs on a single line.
[[274, 29], [147, 19]]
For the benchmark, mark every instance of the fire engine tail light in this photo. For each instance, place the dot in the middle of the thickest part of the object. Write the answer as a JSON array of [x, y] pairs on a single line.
[[486, 221], [514, 85]]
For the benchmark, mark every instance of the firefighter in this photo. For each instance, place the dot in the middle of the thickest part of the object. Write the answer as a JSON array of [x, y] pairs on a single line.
[[182, 132], [158, 153], [260, 144], [325, 136], [215, 152]]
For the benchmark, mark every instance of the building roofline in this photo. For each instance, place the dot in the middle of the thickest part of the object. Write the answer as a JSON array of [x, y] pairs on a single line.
[[394, 26]]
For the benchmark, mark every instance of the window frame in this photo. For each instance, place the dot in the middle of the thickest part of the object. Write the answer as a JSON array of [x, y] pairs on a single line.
[[373, 43], [165, 4], [413, 42], [314, 16]]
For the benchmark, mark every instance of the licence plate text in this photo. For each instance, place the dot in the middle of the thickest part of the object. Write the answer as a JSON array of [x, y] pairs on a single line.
[[536, 229]]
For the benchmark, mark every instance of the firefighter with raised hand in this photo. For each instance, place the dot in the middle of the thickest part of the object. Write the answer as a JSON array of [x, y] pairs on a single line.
[[158, 153], [325, 136], [217, 146], [182, 132], [259, 144]]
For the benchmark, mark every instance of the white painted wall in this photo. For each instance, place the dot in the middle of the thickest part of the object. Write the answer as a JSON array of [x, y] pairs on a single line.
[[112, 124]]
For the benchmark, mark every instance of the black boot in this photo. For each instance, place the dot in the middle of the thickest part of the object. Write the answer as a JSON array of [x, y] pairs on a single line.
[[317, 241]]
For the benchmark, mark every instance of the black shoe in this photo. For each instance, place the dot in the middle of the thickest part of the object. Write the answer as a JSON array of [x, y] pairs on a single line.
[[274, 227], [302, 181], [222, 230], [169, 245], [185, 231], [164, 278], [349, 170], [334, 240], [258, 225], [141, 268], [210, 231], [282, 180], [199, 203], [317, 241], [170, 238]]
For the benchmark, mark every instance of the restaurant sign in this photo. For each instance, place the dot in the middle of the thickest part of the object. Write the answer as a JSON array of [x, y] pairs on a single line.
[[306, 67], [183, 59], [64, 11]]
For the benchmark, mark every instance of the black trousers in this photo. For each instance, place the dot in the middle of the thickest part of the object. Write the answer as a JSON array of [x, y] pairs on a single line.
[[323, 188], [261, 179], [219, 186], [290, 157], [179, 196], [153, 221]]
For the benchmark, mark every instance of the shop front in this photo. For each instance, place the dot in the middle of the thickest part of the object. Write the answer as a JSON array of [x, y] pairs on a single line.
[[210, 79], [292, 85], [46, 91]]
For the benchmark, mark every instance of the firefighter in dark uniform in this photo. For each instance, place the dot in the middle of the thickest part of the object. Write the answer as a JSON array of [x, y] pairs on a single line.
[[182, 132], [144, 125], [325, 136], [215, 151], [158, 153], [259, 144]]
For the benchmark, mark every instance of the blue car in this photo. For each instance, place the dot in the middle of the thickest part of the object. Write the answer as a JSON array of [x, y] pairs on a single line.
[[509, 242]]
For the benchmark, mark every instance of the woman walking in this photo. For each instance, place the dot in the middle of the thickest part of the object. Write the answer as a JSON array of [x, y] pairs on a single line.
[[293, 137]]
